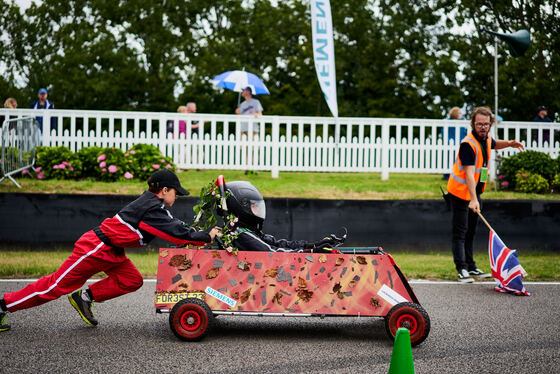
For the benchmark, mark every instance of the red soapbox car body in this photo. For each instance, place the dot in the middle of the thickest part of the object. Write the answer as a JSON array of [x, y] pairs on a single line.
[[196, 284]]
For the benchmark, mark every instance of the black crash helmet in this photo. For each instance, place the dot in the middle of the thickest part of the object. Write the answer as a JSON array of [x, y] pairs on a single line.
[[246, 203]]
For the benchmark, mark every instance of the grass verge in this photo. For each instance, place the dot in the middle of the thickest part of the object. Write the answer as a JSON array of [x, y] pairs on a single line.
[[360, 186], [430, 266]]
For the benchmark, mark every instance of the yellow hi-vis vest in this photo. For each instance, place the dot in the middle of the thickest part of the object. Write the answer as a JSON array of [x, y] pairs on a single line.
[[457, 183]]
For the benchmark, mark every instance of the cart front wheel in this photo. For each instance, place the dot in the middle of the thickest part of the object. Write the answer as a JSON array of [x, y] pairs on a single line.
[[410, 316], [190, 319]]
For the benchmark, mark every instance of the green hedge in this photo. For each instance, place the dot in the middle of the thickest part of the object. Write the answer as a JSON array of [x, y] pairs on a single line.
[[101, 164], [530, 172]]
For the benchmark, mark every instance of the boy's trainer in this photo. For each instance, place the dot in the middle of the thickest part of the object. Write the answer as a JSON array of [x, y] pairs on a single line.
[[3, 319], [83, 307]]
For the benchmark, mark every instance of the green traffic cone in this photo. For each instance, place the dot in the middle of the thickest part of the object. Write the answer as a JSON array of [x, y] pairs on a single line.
[[401, 360]]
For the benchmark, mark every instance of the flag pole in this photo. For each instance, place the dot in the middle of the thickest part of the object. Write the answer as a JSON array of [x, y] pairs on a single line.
[[486, 222]]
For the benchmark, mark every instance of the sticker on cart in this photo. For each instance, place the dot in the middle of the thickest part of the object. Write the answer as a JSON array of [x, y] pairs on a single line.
[[391, 296], [173, 298], [220, 296]]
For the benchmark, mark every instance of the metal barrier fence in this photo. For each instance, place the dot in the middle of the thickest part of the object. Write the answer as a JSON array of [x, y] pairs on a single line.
[[20, 138], [282, 143]]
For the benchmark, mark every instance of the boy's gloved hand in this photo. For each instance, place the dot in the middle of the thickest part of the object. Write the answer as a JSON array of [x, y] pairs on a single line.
[[324, 250], [330, 242]]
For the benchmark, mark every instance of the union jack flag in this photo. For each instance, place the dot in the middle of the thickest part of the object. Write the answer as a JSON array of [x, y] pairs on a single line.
[[506, 269]]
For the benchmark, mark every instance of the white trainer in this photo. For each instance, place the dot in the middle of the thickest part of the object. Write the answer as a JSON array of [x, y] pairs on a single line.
[[464, 277]]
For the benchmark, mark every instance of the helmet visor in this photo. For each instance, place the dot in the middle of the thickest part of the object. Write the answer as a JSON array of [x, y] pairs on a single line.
[[258, 208]]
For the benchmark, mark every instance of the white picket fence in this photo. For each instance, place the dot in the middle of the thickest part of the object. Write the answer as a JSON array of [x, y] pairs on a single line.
[[284, 143]]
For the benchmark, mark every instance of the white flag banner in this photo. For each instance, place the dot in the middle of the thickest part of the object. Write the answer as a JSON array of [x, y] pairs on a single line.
[[323, 51]]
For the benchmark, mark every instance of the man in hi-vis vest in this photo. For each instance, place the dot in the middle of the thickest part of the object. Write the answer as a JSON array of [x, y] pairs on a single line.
[[466, 183]]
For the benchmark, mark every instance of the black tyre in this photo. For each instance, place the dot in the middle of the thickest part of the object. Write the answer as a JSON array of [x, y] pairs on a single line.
[[410, 316], [190, 319]]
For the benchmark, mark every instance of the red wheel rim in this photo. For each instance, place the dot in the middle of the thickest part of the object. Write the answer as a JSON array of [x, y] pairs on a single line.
[[407, 321], [190, 320]]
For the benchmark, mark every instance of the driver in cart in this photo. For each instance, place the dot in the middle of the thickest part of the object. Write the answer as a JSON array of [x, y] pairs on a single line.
[[246, 203]]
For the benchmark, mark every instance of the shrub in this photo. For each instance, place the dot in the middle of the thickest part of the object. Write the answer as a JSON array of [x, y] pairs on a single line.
[[104, 164], [530, 161], [143, 159], [57, 162], [11, 154], [555, 185], [111, 165], [88, 157], [530, 182]]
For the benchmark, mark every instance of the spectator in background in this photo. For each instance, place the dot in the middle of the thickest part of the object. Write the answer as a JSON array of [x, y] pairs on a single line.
[[253, 107], [182, 123], [10, 103], [249, 106], [191, 108], [542, 116], [43, 103], [454, 114]]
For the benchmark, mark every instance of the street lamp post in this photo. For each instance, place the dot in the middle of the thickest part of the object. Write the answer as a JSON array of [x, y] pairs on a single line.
[[518, 43]]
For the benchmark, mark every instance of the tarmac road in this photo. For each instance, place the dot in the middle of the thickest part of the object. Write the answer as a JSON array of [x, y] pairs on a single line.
[[474, 330]]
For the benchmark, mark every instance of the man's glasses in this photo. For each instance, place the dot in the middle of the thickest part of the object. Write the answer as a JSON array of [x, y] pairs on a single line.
[[482, 124]]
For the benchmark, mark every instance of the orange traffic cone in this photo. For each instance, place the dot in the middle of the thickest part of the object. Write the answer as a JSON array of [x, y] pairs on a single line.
[[401, 360]]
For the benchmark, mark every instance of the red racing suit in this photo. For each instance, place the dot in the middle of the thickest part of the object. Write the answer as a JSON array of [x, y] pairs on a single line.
[[102, 250]]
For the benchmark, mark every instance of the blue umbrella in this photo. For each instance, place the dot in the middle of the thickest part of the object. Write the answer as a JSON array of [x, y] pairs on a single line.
[[237, 80]]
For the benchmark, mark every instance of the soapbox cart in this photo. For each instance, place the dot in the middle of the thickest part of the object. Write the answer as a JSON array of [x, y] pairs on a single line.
[[196, 284]]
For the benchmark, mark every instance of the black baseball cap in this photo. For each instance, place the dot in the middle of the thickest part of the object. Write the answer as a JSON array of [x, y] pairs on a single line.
[[167, 178], [542, 107]]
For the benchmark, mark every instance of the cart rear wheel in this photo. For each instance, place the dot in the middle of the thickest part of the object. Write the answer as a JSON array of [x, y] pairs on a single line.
[[410, 316], [190, 319]]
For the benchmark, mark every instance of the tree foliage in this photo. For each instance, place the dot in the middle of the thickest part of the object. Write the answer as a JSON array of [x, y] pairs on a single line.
[[394, 58]]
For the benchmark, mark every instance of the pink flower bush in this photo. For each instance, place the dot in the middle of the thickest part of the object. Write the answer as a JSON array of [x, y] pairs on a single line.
[[168, 166], [155, 166], [70, 168], [40, 176], [132, 152], [38, 169], [127, 175], [25, 172], [101, 158], [104, 169], [501, 176], [65, 163], [505, 183], [102, 164], [113, 169]]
